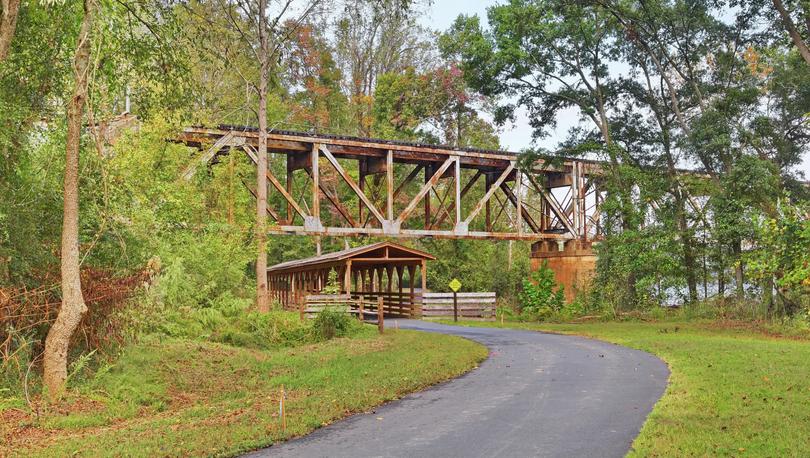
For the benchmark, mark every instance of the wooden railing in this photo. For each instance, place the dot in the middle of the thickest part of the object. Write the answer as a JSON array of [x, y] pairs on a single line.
[[480, 306], [395, 304], [314, 303]]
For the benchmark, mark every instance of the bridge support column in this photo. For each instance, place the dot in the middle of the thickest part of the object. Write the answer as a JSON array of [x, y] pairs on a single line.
[[573, 263]]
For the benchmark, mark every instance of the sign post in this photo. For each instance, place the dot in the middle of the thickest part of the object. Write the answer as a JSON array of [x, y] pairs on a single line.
[[455, 285]]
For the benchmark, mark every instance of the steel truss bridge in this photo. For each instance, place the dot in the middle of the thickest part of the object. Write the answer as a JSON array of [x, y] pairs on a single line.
[[411, 190]]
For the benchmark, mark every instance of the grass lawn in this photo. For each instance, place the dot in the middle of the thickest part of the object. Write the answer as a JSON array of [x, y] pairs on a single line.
[[181, 398], [734, 389]]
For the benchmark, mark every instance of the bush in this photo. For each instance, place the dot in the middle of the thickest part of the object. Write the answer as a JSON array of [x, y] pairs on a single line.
[[331, 323], [266, 330], [541, 296]]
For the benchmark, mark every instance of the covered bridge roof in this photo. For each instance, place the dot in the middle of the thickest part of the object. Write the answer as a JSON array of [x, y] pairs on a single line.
[[382, 252]]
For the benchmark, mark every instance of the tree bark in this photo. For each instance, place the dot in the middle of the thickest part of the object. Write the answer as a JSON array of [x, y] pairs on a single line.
[[57, 344], [792, 30], [739, 276], [721, 277], [8, 24], [261, 176], [690, 264]]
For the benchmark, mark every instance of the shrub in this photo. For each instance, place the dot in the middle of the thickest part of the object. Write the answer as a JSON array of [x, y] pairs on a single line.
[[541, 296], [331, 323], [332, 284], [265, 330]]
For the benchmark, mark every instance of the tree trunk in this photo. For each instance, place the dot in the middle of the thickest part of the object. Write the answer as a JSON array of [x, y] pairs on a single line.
[[261, 175], [8, 24], [721, 279], [767, 295], [738, 270], [230, 189], [57, 343], [687, 241], [792, 30]]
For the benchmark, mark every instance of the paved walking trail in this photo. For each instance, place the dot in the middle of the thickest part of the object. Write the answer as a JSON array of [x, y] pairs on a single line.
[[536, 395]]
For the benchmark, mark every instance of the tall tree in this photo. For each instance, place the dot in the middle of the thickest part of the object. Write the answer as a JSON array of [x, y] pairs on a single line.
[[435, 106], [662, 39], [548, 56], [264, 32], [261, 166], [374, 37], [73, 307]]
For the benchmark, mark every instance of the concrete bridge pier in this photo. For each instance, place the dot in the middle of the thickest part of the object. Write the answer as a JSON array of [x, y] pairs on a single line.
[[573, 263]]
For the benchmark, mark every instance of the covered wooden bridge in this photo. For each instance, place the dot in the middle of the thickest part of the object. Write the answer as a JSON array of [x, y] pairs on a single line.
[[382, 269]]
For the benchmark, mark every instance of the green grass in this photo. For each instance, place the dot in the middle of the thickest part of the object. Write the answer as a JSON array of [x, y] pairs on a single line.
[[734, 390], [181, 398]]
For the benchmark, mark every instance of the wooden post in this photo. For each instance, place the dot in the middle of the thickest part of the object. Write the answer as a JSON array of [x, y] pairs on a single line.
[[361, 314], [361, 183], [389, 178], [380, 314], [302, 308], [455, 306], [283, 409], [457, 174], [289, 185], [400, 301], [411, 272], [316, 176], [424, 276], [519, 205], [347, 278], [487, 185]]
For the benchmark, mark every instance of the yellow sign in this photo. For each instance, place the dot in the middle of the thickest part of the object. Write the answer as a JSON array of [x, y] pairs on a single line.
[[455, 285]]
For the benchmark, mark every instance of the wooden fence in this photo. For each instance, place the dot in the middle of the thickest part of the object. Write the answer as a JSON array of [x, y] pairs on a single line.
[[480, 306], [314, 303], [395, 305]]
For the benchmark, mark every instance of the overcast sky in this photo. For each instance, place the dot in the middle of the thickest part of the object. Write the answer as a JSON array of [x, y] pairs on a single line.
[[518, 136]]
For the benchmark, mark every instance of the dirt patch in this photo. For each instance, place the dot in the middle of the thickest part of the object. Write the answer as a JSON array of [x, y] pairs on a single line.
[[17, 430], [22, 428]]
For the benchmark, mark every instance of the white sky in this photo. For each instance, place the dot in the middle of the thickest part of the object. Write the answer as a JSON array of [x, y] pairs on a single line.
[[440, 16]]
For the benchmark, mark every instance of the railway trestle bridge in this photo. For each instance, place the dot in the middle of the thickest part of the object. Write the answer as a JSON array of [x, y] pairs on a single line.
[[371, 187]]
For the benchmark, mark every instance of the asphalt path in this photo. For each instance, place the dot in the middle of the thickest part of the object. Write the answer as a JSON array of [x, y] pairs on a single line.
[[536, 395]]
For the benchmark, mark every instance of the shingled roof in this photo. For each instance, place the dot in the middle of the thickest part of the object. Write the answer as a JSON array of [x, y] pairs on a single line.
[[343, 255]]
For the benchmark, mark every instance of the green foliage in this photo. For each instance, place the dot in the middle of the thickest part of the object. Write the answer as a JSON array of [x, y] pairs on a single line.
[[783, 256], [331, 322], [436, 106], [643, 258], [739, 116], [332, 283], [541, 296]]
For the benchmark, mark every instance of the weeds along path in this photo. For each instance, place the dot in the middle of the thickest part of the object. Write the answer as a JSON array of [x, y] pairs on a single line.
[[536, 395]]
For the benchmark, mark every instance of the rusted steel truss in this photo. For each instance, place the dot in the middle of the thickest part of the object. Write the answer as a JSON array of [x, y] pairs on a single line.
[[464, 193]]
